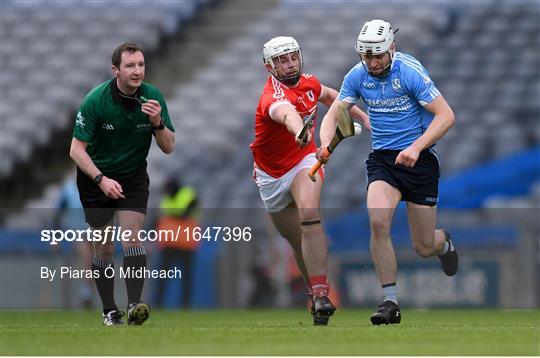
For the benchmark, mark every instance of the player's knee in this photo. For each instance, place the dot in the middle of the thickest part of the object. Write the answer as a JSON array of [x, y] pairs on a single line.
[[309, 219], [380, 227], [132, 235], [423, 250], [132, 225], [309, 214]]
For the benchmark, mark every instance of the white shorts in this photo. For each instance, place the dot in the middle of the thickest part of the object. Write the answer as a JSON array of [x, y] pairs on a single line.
[[275, 192]]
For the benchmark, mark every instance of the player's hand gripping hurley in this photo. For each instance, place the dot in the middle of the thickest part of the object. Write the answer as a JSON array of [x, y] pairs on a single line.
[[303, 135], [345, 128]]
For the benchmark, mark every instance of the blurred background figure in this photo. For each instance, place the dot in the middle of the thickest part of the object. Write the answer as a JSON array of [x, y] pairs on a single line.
[[69, 215], [179, 212], [264, 290]]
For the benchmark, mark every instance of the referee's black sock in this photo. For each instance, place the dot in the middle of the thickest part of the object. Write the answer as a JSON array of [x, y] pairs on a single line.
[[105, 285], [134, 264]]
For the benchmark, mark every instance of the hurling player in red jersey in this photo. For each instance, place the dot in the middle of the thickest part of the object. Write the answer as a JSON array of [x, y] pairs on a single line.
[[283, 159]]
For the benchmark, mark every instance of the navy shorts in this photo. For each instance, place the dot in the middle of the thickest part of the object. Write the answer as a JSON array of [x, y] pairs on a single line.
[[419, 184], [99, 209]]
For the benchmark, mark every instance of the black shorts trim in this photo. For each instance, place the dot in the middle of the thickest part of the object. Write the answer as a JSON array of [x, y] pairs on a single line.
[[419, 184], [100, 209]]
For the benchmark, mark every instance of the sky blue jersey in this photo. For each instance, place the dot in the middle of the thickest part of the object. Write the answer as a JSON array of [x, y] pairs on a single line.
[[395, 102]]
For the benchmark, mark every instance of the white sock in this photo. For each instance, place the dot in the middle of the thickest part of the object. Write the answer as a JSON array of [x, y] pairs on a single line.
[[390, 292]]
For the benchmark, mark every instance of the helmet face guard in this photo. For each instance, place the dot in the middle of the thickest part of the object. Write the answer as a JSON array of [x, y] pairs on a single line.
[[279, 55], [376, 38], [380, 73]]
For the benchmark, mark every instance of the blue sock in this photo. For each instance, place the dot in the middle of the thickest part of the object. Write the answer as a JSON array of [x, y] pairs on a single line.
[[390, 292]]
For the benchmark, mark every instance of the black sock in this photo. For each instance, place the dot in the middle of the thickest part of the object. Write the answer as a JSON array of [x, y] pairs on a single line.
[[134, 259], [105, 285]]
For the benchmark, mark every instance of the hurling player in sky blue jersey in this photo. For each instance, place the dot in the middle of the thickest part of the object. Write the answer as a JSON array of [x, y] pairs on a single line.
[[408, 115]]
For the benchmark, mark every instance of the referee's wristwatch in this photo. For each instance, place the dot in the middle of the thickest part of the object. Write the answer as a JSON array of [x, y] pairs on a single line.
[[159, 127], [98, 178]]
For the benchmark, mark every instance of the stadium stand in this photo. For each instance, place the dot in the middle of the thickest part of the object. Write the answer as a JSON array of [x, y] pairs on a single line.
[[53, 52], [495, 102]]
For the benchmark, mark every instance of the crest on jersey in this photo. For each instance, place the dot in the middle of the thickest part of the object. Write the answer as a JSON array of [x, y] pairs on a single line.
[[396, 84], [310, 95]]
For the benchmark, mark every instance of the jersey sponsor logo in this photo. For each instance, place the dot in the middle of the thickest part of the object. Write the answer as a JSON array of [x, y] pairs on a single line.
[[143, 125], [107, 126], [396, 84], [79, 121], [370, 85], [388, 102], [404, 108], [389, 105]]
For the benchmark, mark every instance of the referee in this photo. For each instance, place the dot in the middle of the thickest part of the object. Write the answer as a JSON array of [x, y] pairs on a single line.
[[111, 138]]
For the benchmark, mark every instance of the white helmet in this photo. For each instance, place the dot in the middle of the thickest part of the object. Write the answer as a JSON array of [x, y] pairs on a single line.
[[376, 37], [278, 46]]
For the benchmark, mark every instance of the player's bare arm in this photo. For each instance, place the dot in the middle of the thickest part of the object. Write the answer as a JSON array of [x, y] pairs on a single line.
[[329, 95], [78, 154], [329, 123], [442, 122], [285, 114], [164, 137]]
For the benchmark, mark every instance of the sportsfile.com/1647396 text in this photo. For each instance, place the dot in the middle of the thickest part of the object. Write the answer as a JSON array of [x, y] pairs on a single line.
[[115, 233]]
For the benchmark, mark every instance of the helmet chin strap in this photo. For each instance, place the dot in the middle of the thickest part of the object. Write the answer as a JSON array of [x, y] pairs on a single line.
[[385, 70]]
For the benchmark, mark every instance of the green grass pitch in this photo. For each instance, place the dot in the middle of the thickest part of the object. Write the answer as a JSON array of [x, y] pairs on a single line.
[[273, 332]]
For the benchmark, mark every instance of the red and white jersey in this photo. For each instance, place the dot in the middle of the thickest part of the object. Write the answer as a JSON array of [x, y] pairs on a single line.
[[274, 149]]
